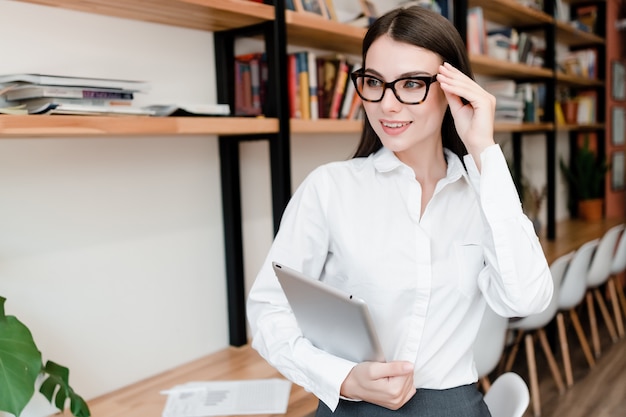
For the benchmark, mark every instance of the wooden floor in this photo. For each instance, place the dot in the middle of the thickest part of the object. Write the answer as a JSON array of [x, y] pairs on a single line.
[[597, 392]]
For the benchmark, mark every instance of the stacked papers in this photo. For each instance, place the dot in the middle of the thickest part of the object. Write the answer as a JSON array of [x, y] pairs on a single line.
[[220, 398]]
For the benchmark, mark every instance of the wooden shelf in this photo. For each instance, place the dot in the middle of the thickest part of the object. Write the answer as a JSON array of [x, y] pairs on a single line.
[[522, 127], [57, 125], [209, 15], [573, 80], [580, 127], [511, 13], [568, 35], [485, 65], [312, 31], [326, 126]]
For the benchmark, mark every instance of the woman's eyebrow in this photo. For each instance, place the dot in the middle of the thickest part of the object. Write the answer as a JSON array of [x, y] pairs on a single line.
[[417, 73]]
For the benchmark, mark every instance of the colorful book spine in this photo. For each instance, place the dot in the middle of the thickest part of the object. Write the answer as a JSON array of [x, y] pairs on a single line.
[[340, 85], [312, 70], [303, 80]]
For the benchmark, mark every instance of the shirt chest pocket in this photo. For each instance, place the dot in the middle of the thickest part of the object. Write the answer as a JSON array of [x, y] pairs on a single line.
[[469, 262]]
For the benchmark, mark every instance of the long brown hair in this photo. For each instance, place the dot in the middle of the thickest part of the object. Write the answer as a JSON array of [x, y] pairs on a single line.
[[421, 27]]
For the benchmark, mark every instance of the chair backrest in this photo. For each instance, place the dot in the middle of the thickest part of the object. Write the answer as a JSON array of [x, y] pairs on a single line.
[[574, 284], [558, 267], [600, 268], [508, 396], [489, 343], [619, 259]]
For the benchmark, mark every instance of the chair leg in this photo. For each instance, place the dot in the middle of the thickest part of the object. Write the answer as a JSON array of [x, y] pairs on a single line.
[[554, 369], [605, 314], [513, 354], [567, 363], [532, 373], [612, 284], [595, 338], [484, 383], [620, 294], [582, 338]]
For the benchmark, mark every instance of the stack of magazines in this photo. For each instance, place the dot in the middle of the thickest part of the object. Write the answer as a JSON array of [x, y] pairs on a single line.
[[52, 94]]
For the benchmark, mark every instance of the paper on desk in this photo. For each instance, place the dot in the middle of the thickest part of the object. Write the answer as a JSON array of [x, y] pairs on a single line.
[[219, 398]]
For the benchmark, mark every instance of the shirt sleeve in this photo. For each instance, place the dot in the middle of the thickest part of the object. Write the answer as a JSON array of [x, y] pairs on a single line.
[[302, 244], [516, 280]]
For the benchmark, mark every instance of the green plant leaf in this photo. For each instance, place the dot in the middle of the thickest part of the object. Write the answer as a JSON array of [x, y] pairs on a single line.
[[20, 363], [57, 382]]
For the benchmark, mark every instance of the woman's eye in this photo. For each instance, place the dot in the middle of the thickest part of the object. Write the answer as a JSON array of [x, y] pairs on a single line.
[[373, 83], [413, 84]]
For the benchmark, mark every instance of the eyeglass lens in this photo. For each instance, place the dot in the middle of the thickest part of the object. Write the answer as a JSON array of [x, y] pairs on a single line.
[[410, 90]]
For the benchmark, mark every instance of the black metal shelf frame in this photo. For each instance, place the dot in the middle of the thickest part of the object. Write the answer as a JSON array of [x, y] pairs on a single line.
[[277, 105]]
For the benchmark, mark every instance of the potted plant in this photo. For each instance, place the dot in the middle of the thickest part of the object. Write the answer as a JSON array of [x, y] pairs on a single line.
[[586, 178], [21, 365]]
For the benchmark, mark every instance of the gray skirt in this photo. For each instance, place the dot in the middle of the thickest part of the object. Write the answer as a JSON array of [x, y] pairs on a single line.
[[463, 401]]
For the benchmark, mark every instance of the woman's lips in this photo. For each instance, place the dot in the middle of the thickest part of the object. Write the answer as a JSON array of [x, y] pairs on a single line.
[[394, 128]]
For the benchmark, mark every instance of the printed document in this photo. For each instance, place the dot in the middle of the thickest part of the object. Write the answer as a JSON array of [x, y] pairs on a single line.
[[220, 398]]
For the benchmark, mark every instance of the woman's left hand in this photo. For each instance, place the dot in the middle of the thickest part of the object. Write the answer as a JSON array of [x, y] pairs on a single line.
[[474, 120]]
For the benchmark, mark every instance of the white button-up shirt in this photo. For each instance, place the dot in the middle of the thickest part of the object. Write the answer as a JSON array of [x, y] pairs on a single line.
[[356, 225]]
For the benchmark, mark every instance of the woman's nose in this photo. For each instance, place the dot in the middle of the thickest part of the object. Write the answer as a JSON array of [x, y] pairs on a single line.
[[390, 102]]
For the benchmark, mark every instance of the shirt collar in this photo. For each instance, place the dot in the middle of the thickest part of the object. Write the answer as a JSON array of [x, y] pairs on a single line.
[[385, 161]]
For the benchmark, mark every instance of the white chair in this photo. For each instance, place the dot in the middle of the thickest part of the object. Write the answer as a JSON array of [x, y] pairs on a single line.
[[571, 294], [508, 396], [618, 266], [598, 275], [489, 345], [534, 326]]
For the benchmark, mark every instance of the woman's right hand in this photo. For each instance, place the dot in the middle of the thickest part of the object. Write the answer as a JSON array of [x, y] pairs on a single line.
[[388, 384]]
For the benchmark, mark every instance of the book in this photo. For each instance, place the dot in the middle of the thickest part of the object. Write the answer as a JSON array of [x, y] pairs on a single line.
[[21, 109], [587, 104], [317, 7], [356, 108], [502, 87], [48, 79], [189, 110], [292, 86], [330, 9], [339, 89], [348, 95], [92, 110], [313, 90], [476, 31], [250, 83], [28, 91], [586, 18], [330, 70], [37, 103], [303, 84]]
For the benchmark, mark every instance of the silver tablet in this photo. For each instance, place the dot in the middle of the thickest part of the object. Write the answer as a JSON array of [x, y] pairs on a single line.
[[332, 320]]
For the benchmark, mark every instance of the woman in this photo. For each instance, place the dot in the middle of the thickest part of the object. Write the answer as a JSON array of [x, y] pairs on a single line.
[[424, 224]]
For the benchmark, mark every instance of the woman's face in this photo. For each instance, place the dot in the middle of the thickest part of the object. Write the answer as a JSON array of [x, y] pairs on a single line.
[[404, 127]]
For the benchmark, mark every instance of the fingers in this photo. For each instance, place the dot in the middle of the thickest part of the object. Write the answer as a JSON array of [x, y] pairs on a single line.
[[389, 385], [472, 108], [453, 81]]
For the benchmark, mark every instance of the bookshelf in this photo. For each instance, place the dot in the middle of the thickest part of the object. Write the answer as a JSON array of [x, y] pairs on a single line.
[[557, 35], [577, 39], [231, 19]]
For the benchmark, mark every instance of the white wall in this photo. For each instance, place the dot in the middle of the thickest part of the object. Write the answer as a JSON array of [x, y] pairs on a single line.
[[111, 249]]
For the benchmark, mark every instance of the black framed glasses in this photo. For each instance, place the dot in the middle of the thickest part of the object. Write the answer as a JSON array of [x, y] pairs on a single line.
[[408, 90]]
